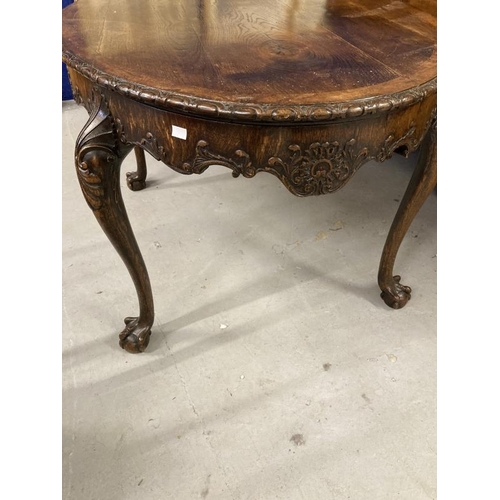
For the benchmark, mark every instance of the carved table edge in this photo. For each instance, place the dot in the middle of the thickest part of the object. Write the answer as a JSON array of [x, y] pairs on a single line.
[[251, 112]]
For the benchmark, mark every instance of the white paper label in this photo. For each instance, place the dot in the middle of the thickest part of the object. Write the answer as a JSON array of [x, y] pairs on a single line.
[[179, 132]]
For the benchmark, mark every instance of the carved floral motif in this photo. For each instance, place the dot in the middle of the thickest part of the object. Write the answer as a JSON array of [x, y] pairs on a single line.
[[320, 168]]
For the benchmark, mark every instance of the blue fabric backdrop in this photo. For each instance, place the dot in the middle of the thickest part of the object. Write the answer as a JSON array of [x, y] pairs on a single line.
[[66, 88]]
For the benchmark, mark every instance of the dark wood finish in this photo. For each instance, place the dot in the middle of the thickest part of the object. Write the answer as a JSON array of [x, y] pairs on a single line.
[[421, 184], [98, 157], [137, 180], [306, 91], [254, 60]]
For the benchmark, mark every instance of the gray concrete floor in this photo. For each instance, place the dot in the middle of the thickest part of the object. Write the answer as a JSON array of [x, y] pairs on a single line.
[[274, 370]]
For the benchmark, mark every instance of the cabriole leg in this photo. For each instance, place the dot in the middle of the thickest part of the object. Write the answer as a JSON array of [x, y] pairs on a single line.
[[137, 180], [98, 158], [423, 181]]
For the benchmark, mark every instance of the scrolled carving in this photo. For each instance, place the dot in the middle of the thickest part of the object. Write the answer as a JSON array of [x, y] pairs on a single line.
[[204, 159], [407, 141], [319, 168], [326, 167], [151, 145], [120, 131]]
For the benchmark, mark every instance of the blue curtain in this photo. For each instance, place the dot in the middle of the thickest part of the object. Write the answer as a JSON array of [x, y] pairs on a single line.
[[66, 88]]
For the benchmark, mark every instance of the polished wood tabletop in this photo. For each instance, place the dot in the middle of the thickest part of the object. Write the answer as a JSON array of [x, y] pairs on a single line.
[[305, 90], [241, 52]]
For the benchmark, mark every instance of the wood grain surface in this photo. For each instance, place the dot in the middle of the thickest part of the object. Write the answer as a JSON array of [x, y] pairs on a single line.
[[257, 51], [306, 90]]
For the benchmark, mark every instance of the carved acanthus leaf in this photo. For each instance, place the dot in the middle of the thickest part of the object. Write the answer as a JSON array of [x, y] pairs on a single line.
[[321, 167], [97, 150]]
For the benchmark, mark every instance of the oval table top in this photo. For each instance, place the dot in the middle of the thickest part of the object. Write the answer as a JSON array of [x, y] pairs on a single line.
[[257, 60]]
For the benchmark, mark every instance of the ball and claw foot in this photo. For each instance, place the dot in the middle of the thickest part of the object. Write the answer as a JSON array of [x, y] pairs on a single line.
[[134, 181], [134, 338], [396, 295]]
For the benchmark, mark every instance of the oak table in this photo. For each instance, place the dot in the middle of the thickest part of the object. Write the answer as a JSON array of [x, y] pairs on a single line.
[[305, 90]]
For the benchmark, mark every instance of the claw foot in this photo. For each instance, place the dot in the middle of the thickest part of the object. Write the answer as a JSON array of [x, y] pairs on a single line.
[[134, 181], [396, 295], [135, 337]]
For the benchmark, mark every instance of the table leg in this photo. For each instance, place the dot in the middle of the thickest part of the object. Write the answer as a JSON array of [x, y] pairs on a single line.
[[423, 181], [98, 158], [137, 180]]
